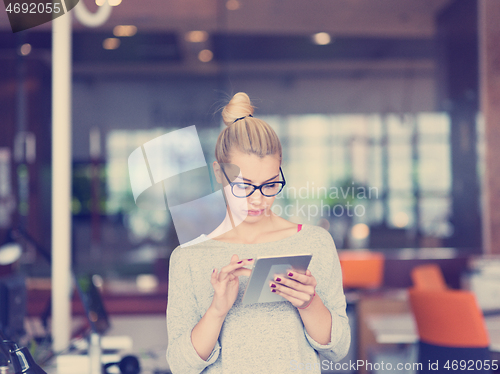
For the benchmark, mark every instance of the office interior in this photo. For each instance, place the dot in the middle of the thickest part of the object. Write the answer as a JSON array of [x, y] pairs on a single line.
[[387, 112]]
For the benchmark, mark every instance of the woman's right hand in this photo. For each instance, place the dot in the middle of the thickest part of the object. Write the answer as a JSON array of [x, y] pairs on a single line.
[[226, 284]]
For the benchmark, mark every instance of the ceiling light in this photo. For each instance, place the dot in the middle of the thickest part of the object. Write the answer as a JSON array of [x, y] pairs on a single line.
[[321, 38], [97, 280], [124, 30], [147, 282], [233, 4], [111, 43], [25, 49], [100, 2], [196, 36], [401, 219], [205, 55], [10, 252], [360, 231]]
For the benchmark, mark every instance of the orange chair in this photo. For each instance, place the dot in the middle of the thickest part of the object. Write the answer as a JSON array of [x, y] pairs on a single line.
[[428, 277], [450, 327], [362, 269]]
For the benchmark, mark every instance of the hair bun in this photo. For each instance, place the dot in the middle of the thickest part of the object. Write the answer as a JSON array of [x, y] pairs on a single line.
[[239, 106]]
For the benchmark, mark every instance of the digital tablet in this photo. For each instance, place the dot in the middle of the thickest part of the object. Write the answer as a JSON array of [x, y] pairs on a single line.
[[264, 269]]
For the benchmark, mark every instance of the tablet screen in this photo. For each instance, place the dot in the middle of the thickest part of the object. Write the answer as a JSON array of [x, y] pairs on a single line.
[[264, 270]]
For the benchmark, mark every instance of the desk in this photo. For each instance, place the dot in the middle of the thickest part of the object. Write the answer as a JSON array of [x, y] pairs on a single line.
[[401, 329], [148, 334], [393, 328], [374, 304], [385, 322]]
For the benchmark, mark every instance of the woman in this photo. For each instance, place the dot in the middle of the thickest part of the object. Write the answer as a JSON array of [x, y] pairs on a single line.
[[209, 330]]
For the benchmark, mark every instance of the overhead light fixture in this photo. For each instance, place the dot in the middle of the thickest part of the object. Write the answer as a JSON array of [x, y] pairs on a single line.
[[147, 282], [205, 55], [10, 252], [12, 249], [111, 43], [360, 231], [401, 219], [124, 30], [233, 5], [196, 36], [25, 49], [321, 38]]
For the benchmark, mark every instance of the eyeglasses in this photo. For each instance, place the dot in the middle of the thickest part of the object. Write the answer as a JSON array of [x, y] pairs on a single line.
[[246, 189]]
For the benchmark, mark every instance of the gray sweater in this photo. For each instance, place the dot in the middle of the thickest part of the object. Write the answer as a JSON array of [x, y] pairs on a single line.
[[255, 338]]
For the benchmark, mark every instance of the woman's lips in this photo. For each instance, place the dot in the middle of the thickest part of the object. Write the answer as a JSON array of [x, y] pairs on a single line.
[[255, 212]]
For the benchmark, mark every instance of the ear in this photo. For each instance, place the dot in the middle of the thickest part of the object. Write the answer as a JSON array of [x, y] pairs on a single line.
[[217, 172]]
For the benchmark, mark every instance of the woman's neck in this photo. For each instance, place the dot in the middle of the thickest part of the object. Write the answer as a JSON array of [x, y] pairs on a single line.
[[229, 230]]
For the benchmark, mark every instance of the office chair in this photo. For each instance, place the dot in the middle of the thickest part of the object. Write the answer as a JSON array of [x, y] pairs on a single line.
[[428, 277], [362, 269], [450, 328]]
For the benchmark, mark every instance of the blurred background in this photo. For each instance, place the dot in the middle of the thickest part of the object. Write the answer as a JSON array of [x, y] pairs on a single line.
[[372, 100], [377, 103]]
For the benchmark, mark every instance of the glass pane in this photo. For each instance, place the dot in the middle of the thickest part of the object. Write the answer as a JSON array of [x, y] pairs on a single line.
[[308, 126], [434, 213], [434, 171], [399, 129], [433, 124], [336, 167], [375, 167], [375, 211], [374, 127], [400, 166], [401, 213]]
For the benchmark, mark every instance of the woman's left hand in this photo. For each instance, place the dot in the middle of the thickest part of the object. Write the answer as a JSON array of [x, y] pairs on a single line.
[[297, 288]]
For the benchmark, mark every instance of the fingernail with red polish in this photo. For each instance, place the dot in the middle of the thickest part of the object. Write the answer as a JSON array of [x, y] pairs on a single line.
[[278, 279], [273, 290], [273, 285], [250, 259], [290, 274], [239, 262]]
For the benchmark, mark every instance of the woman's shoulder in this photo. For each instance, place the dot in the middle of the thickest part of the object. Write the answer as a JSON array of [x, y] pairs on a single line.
[[321, 245], [200, 239], [189, 248], [316, 232]]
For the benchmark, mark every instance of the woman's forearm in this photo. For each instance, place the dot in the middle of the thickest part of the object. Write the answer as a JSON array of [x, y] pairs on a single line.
[[206, 332], [317, 320]]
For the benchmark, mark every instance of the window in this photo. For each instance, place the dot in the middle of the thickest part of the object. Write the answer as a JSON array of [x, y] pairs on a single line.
[[401, 162]]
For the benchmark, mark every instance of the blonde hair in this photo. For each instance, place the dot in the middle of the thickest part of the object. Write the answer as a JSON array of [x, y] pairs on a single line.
[[248, 135]]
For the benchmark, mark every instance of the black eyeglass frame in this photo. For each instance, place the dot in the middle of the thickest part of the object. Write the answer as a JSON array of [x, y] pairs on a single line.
[[255, 188]]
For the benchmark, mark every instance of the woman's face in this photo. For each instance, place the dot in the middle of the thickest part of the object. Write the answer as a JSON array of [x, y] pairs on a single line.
[[251, 169]]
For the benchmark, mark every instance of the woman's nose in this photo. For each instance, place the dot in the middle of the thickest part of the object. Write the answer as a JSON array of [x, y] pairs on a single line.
[[257, 195]]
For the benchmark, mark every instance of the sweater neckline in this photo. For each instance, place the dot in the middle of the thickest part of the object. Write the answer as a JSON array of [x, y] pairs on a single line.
[[209, 240]]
